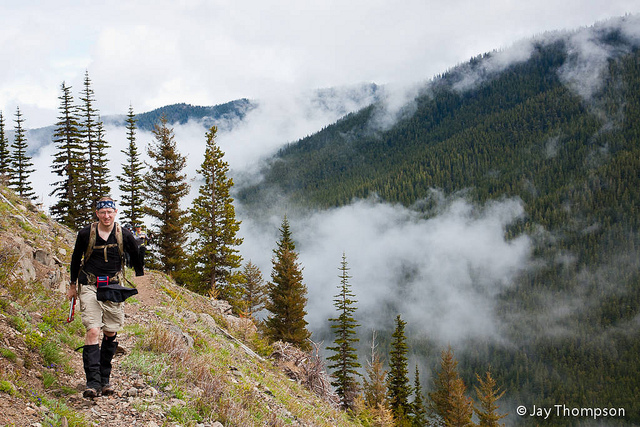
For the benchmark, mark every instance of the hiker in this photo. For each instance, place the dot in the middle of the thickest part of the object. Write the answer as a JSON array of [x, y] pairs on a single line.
[[141, 240], [97, 266]]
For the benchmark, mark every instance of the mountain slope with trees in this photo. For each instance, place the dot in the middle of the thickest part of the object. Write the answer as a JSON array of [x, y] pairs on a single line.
[[526, 131]]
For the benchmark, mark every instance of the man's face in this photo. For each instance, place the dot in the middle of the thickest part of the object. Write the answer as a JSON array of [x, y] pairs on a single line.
[[106, 216]]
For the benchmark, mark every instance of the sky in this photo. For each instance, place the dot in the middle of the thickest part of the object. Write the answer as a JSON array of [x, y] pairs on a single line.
[[149, 54], [154, 53]]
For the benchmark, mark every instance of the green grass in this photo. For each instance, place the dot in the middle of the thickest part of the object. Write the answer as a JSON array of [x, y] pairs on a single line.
[[7, 387], [8, 354]]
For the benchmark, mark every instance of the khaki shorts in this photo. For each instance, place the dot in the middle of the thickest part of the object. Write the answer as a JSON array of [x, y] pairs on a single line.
[[100, 314]]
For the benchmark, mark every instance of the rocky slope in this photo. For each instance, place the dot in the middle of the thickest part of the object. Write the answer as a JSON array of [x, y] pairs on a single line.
[[183, 358]]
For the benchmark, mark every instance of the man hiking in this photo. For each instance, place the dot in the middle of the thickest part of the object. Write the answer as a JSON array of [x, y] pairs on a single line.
[[97, 266]]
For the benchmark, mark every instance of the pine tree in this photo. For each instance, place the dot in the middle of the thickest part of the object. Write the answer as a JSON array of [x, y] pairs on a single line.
[[488, 395], [21, 166], [287, 295], [399, 387], [166, 186], [374, 384], [418, 406], [131, 181], [5, 154], [254, 293], [345, 359], [92, 137], [461, 406], [102, 178], [68, 163], [448, 402], [213, 220]]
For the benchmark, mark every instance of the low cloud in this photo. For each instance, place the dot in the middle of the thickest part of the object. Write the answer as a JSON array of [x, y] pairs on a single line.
[[442, 274]]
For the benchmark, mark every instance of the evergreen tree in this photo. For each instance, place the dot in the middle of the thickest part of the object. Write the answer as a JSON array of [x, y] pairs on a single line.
[[254, 293], [375, 387], [166, 185], [5, 154], [488, 395], [213, 220], [287, 295], [345, 359], [418, 406], [68, 163], [461, 406], [131, 181], [92, 137], [399, 387], [102, 179], [448, 402], [21, 166]]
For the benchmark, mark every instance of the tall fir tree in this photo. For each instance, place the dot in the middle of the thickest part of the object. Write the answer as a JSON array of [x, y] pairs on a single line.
[[374, 383], [254, 293], [461, 406], [345, 360], [214, 256], [131, 181], [92, 137], [21, 166], [488, 394], [418, 406], [166, 185], [5, 154], [399, 387], [287, 295], [68, 163], [103, 179], [447, 404]]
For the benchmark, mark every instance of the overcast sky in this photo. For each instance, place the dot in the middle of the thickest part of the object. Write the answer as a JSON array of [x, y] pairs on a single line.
[[153, 53]]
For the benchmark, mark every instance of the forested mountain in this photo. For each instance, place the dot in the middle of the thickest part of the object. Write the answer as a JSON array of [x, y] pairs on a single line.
[[568, 144]]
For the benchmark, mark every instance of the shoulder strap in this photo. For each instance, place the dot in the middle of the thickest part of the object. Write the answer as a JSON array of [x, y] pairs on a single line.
[[119, 239], [92, 242]]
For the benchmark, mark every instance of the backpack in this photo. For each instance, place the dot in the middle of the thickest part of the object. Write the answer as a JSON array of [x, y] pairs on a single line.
[[92, 245]]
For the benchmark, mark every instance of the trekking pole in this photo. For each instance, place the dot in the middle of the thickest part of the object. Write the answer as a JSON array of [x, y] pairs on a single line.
[[72, 310]]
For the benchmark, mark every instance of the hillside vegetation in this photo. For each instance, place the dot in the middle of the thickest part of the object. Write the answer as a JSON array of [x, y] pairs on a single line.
[[185, 359], [574, 161]]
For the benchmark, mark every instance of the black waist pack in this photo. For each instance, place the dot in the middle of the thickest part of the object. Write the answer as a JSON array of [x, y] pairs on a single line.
[[114, 292]]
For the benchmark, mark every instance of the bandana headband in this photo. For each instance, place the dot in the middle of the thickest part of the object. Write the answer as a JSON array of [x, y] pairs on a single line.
[[105, 204]]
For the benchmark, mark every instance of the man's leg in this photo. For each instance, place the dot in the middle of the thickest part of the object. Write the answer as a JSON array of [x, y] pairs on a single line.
[[107, 351], [91, 361]]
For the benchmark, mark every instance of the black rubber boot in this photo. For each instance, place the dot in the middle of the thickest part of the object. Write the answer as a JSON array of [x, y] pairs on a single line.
[[91, 359], [109, 346]]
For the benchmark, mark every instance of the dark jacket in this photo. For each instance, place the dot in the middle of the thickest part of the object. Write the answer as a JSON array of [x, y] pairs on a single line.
[[96, 264]]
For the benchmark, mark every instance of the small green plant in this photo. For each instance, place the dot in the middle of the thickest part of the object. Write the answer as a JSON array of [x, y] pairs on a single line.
[[17, 323], [8, 354], [48, 379], [7, 387], [34, 340], [183, 414], [51, 353]]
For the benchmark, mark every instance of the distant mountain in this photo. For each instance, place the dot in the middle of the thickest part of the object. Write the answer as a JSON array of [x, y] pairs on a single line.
[[224, 115], [558, 128]]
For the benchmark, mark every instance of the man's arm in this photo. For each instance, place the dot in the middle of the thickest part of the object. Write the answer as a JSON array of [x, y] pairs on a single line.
[[131, 247]]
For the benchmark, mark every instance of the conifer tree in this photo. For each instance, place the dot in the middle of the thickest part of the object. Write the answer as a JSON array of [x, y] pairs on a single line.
[[215, 256], [21, 166], [345, 359], [418, 406], [254, 293], [448, 402], [92, 137], [374, 383], [68, 163], [398, 386], [5, 159], [166, 185], [461, 406], [131, 181], [287, 295], [488, 395]]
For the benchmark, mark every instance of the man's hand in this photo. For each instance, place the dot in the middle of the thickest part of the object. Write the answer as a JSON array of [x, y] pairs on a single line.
[[72, 292]]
